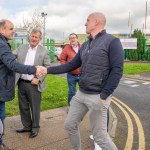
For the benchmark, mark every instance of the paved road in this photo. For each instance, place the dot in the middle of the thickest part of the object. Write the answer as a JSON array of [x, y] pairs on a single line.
[[134, 94]]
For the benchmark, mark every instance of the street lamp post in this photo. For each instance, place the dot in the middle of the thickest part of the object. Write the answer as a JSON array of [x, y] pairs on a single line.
[[43, 15]]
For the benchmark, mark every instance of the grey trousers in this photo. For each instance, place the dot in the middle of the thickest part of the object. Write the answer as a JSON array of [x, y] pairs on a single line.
[[79, 106], [29, 105]]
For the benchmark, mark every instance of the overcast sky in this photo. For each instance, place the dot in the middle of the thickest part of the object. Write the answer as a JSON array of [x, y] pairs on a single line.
[[67, 16]]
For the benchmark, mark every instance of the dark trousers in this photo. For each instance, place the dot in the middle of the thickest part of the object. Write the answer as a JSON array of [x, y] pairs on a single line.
[[72, 81], [2, 117], [29, 105]]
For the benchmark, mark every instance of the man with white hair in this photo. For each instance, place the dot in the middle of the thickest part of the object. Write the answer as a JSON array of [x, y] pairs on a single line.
[[101, 62]]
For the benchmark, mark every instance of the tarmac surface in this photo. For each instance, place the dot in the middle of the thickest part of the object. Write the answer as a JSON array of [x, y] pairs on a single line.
[[52, 135]]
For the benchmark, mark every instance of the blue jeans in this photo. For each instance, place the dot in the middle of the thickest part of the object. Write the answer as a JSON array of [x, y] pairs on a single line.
[[72, 81], [2, 116], [1, 132]]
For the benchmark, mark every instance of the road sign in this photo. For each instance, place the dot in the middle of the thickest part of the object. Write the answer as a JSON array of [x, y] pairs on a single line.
[[129, 43], [21, 33]]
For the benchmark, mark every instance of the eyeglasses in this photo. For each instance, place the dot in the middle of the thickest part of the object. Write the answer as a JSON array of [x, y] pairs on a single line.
[[72, 38]]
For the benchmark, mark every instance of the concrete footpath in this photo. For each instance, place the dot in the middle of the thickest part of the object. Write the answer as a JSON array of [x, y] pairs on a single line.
[[52, 135]]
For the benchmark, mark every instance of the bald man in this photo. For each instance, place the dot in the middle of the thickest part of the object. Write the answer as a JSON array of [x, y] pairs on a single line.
[[101, 61], [8, 67]]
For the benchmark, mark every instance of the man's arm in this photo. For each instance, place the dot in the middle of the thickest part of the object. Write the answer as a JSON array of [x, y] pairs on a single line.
[[8, 58], [116, 59], [69, 66]]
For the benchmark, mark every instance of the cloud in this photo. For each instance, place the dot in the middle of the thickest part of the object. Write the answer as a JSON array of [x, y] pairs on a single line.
[[69, 16]]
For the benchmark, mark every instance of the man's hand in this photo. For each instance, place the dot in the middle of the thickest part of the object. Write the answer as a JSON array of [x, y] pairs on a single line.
[[35, 81], [41, 71], [103, 101]]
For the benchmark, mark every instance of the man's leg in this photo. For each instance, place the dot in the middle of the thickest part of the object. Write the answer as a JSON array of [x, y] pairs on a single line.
[[24, 105], [1, 132], [76, 113], [35, 102], [2, 111], [72, 80], [98, 120], [2, 117]]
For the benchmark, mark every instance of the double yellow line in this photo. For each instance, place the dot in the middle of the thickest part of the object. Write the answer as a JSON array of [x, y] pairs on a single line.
[[129, 141]]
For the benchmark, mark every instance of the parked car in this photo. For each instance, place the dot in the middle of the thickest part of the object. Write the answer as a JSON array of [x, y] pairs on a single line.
[[57, 52]]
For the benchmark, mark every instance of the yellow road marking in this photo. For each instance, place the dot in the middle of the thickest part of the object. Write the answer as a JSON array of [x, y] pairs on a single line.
[[139, 125], [129, 141]]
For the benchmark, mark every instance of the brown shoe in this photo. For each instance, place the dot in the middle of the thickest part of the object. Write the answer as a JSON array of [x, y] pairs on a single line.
[[4, 147]]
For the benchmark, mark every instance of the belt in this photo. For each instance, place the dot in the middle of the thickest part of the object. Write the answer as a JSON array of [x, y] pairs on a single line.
[[74, 74], [26, 81]]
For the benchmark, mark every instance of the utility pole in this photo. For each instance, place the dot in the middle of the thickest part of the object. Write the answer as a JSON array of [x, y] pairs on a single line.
[[143, 29], [44, 16], [63, 37], [131, 30], [129, 23], [145, 17]]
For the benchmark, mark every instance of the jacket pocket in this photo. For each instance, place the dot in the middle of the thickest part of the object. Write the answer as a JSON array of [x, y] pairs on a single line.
[[8, 82], [1, 85]]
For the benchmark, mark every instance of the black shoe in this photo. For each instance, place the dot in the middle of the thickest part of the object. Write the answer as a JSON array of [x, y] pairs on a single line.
[[21, 130], [33, 134]]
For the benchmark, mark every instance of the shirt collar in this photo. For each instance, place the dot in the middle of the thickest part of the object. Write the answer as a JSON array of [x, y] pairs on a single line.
[[35, 48], [97, 35], [5, 40], [74, 46]]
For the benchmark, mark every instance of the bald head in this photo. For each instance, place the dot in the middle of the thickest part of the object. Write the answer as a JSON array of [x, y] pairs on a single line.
[[95, 23], [99, 17], [6, 28], [3, 23]]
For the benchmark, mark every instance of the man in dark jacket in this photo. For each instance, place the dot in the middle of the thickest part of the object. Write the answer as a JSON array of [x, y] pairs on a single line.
[[8, 67], [101, 62]]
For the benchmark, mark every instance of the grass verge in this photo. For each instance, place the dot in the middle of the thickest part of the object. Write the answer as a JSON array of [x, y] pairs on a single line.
[[136, 68]]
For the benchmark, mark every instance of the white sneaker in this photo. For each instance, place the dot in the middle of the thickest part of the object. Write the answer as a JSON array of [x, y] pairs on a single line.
[[96, 146]]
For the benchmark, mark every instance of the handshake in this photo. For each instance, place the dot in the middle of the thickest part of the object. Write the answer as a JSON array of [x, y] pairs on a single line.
[[41, 71]]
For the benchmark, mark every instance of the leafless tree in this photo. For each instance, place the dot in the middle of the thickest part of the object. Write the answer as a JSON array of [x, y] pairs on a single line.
[[35, 22]]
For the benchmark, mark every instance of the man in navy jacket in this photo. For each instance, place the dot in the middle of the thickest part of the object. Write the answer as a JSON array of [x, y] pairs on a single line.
[[100, 60], [8, 67]]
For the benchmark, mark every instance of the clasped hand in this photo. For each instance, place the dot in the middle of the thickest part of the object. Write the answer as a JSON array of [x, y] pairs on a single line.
[[41, 71]]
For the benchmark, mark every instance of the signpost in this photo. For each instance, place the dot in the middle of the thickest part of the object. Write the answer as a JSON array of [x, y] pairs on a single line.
[[21, 33], [129, 43], [20, 37]]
